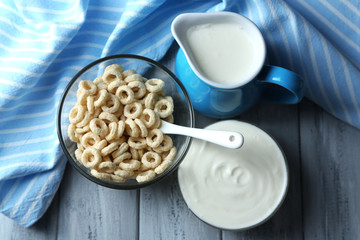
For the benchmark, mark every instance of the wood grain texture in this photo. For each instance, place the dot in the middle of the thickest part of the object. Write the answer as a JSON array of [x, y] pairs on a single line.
[[90, 211], [330, 167]]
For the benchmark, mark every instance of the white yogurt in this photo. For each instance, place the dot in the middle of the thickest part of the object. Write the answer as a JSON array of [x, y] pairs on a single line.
[[223, 52], [234, 189]]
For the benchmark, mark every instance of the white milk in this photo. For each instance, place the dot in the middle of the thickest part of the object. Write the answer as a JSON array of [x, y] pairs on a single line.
[[223, 52], [234, 189]]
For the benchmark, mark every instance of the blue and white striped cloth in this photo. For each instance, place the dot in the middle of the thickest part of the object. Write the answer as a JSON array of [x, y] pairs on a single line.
[[44, 43]]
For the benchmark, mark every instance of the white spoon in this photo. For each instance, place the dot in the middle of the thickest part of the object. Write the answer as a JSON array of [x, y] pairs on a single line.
[[224, 138]]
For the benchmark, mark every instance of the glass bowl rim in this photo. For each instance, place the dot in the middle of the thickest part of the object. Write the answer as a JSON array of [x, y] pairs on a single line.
[[110, 184]]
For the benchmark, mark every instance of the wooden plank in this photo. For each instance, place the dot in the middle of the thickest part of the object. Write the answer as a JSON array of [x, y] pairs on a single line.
[[44, 229], [87, 210], [330, 166], [164, 214], [282, 123]]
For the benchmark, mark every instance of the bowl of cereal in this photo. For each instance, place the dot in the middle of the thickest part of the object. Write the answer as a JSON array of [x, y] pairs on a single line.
[[109, 119]]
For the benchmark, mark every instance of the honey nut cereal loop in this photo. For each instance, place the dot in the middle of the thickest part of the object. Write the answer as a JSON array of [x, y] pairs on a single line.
[[122, 157], [128, 72], [82, 130], [90, 157], [164, 107], [112, 73], [137, 142], [145, 176], [125, 94], [78, 154], [155, 138], [138, 88], [90, 104], [122, 149], [131, 128], [101, 144], [123, 173], [109, 149], [121, 128], [98, 80], [134, 153], [117, 178], [113, 130], [163, 166], [84, 121], [112, 87], [112, 104], [100, 175], [87, 87], [133, 77], [108, 117], [89, 139], [149, 117], [142, 127], [130, 164], [151, 159], [108, 167], [100, 98], [76, 114], [170, 155], [165, 146], [150, 100], [133, 110], [72, 134], [154, 85], [82, 98], [98, 127]]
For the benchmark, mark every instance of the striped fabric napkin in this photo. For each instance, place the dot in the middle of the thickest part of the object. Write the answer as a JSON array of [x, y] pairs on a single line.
[[43, 44]]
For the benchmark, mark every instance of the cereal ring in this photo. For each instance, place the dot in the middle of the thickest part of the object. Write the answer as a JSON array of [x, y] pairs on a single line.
[[109, 148], [76, 114], [122, 149], [98, 127], [112, 104], [127, 73], [137, 142], [117, 178], [138, 88], [164, 107], [87, 87], [81, 97], [90, 104], [134, 154], [85, 120], [170, 155], [155, 138], [149, 117], [72, 134], [131, 128], [100, 175], [79, 146], [145, 176], [90, 157], [122, 157], [133, 110], [123, 173], [108, 117], [101, 144], [165, 146], [102, 86], [82, 130], [121, 128], [113, 131], [98, 80], [100, 98], [78, 153], [107, 167], [130, 164], [151, 159], [150, 100], [142, 127], [112, 73], [133, 77], [125, 94], [163, 166], [96, 113], [112, 87], [154, 85], [89, 139], [157, 123]]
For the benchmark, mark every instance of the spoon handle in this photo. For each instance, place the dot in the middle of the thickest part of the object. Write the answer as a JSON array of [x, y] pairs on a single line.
[[227, 139]]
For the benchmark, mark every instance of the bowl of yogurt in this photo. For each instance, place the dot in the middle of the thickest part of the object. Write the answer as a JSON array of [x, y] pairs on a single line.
[[234, 189]]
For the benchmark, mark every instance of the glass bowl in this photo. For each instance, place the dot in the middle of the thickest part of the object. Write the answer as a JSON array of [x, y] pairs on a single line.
[[183, 112]]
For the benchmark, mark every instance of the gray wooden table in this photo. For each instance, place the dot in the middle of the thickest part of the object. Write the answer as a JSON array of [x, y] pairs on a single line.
[[322, 202]]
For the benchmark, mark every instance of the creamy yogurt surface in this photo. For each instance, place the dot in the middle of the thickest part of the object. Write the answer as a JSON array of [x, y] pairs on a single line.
[[223, 52], [234, 189]]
